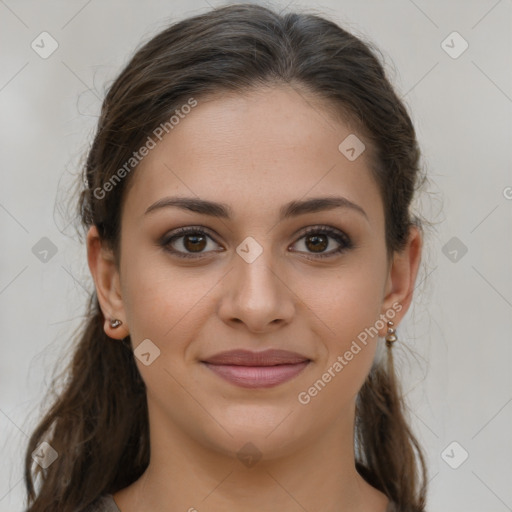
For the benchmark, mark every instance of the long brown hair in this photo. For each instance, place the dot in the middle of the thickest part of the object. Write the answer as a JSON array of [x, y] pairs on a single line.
[[98, 422]]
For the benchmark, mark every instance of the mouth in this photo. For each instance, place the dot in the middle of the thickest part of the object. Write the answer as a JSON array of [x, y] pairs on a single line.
[[257, 369]]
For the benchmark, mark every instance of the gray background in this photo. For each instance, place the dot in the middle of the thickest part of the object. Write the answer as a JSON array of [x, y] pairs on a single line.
[[457, 380]]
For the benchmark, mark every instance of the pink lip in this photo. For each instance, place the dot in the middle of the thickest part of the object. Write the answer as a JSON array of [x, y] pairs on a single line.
[[257, 369]]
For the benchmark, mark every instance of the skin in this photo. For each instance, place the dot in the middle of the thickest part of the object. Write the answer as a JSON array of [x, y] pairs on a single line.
[[254, 152]]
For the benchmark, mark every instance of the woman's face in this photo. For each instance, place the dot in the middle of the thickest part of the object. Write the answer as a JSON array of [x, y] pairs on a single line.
[[255, 280]]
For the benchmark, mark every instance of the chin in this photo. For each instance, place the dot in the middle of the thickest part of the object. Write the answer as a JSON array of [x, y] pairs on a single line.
[[269, 432], [257, 445]]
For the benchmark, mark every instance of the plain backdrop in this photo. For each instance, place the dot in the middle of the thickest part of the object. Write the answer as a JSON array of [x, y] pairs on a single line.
[[459, 382]]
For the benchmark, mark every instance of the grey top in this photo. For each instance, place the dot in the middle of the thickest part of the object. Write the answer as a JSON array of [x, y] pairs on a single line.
[[106, 503]]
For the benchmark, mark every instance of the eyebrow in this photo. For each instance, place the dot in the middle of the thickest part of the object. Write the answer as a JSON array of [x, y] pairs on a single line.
[[224, 211]]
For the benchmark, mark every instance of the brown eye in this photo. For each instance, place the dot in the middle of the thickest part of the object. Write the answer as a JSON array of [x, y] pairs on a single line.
[[184, 242], [317, 243], [317, 239], [194, 243]]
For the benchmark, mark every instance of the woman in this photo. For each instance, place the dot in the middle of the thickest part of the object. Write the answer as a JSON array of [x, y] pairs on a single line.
[[246, 201]]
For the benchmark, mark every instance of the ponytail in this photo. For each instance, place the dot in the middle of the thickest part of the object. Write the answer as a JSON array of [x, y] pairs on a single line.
[[98, 427], [389, 450]]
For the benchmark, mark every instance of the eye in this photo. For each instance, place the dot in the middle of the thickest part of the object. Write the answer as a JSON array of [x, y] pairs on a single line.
[[193, 239], [317, 240]]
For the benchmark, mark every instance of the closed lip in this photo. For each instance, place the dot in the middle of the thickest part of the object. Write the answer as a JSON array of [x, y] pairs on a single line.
[[270, 357]]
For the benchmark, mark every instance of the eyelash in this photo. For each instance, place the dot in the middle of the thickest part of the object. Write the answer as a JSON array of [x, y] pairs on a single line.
[[337, 235]]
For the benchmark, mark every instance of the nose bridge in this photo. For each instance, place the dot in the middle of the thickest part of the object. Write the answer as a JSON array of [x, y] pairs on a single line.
[[255, 269], [256, 293]]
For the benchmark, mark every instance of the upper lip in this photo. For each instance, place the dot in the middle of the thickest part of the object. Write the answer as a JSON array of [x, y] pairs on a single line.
[[269, 357]]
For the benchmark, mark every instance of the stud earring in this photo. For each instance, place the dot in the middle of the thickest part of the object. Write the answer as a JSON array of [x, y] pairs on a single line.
[[390, 336], [114, 323]]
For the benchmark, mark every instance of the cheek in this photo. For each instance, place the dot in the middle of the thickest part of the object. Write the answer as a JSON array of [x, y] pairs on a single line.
[[347, 307], [348, 299], [167, 310], [146, 295], [158, 303], [163, 303], [349, 341]]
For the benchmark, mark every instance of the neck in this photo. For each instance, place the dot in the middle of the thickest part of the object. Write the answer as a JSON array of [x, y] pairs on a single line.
[[185, 475]]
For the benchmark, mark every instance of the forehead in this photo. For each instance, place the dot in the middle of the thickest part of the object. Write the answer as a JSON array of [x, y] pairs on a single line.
[[256, 150]]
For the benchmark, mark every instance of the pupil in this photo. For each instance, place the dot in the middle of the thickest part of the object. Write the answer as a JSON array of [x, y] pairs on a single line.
[[319, 241], [195, 238]]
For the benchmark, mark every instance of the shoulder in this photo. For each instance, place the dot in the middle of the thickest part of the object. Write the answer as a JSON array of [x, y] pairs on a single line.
[[104, 503]]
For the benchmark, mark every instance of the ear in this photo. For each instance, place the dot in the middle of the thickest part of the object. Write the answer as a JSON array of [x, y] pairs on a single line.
[[401, 278], [106, 280]]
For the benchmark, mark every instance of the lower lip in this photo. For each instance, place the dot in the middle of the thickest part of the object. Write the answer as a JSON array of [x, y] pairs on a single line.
[[257, 376]]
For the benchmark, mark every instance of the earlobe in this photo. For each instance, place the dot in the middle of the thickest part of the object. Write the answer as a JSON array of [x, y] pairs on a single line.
[[402, 277], [107, 283]]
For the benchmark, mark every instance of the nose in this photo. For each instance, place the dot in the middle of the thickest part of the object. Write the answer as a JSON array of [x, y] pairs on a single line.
[[257, 295]]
